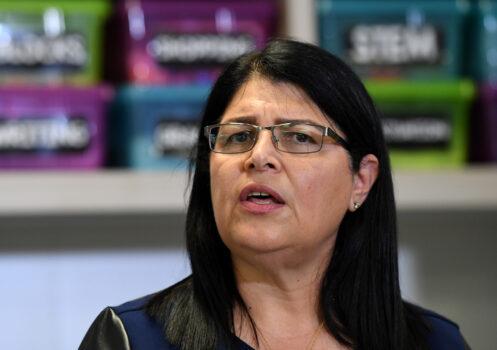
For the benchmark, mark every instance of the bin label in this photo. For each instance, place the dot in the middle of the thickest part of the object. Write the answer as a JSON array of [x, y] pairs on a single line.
[[54, 134], [182, 50], [33, 51], [175, 137], [417, 130], [394, 44]]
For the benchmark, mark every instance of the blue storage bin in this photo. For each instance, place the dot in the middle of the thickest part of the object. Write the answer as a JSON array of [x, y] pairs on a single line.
[[155, 127], [396, 39]]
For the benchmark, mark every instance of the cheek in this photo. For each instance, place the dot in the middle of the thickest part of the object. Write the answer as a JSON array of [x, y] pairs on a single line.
[[323, 195], [223, 178], [218, 190]]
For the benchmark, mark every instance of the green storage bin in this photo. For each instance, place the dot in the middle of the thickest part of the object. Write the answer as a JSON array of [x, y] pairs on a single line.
[[426, 124], [51, 41], [396, 39]]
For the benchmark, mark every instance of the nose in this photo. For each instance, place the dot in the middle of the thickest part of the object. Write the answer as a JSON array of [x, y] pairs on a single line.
[[263, 156]]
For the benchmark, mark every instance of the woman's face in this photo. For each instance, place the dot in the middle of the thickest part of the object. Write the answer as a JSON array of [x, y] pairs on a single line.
[[310, 192]]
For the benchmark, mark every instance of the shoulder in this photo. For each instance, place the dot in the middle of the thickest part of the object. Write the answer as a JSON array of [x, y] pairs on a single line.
[[127, 326], [140, 326], [133, 313], [443, 333]]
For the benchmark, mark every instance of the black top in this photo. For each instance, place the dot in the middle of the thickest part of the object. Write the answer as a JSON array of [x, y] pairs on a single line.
[[129, 326]]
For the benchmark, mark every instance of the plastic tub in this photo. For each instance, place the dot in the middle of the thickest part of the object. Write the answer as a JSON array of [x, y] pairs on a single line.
[[53, 128], [47, 42], [396, 39], [168, 42], [482, 37], [156, 127], [426, 124], [484, 125]]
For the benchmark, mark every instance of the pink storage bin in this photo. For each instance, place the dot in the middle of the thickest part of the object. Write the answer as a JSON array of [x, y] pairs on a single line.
[[170, 42], [484, 125], [53, 127]]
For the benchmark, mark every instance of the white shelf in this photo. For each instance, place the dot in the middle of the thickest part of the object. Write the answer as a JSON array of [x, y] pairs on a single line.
[[118, 192], [102, 192], [473, 188]]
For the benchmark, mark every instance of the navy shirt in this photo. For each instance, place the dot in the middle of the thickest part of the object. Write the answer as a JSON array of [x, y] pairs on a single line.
[[129, 327]]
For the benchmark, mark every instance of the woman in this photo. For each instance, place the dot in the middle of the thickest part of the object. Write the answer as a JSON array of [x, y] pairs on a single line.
[[291, 224]]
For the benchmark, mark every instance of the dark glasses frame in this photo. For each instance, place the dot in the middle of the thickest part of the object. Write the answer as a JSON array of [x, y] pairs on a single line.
[[326, 131]]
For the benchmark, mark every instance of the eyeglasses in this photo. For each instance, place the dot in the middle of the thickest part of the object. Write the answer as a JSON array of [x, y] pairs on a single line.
[[296, 137]]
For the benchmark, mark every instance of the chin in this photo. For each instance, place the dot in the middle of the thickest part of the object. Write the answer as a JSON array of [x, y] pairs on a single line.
[[256, 241]]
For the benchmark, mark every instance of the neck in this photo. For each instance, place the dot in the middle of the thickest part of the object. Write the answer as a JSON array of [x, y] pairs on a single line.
[[282, 299]]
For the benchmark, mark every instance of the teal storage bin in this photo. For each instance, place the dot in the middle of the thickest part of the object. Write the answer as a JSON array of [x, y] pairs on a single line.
[[426, 124], [155, 127], [482, 55], [396, 39]]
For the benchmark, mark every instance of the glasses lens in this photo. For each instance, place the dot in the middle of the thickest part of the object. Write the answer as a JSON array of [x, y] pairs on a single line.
[[232, 138], [299, 138]]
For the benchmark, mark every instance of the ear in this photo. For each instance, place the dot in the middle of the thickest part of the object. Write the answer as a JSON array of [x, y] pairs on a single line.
[[363, 181]]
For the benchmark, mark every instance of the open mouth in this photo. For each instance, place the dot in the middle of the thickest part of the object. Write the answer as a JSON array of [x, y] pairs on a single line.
[[259, 196], [262, 198]]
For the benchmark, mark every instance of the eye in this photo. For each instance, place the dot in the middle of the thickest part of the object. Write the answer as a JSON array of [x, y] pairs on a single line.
[[303, 138], [298, 137], [239, 137]]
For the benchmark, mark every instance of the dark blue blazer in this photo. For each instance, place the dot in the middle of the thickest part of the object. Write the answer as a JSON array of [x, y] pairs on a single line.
[[129, 327]]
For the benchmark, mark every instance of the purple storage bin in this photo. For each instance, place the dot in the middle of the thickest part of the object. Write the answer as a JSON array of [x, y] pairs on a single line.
[[52, 127], [170, 42], [484, 125]]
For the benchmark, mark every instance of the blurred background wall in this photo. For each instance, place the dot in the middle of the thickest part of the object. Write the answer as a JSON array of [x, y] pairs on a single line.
[[99, 102]]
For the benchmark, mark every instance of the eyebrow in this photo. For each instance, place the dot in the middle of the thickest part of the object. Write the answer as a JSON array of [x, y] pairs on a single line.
[[253, 119], [243, 119]]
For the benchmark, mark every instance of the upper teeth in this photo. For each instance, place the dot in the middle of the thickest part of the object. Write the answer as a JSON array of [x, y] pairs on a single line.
[[258, 194]]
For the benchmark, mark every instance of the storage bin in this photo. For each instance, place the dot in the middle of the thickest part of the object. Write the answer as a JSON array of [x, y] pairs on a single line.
[[484, 125], [52, 127], [51, 41], [170, 42], [482, 36], [426, 124], [396, 39], [156, 127]]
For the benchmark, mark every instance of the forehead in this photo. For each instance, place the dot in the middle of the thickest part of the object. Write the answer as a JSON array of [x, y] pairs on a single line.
[[262, 101]]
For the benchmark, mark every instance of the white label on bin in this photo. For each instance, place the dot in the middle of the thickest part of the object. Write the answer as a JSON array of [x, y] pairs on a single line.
[[175, 138], [417, 131], [30, 50], [186, 49], [394, 44], [59, 134]]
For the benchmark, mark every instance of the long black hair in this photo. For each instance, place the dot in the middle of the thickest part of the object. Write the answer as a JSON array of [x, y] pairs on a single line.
[[360, 296]]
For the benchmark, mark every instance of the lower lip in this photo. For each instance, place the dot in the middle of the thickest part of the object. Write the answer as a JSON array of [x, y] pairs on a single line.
[[256, 208]]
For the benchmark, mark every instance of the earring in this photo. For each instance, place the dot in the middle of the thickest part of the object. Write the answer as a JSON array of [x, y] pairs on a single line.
[[356, 205]]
